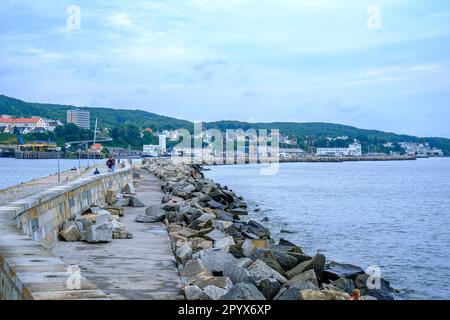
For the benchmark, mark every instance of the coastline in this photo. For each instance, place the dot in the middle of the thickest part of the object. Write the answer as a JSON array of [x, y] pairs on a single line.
[[223, 254]]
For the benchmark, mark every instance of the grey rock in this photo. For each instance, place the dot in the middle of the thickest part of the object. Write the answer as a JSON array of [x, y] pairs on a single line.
[[99, 233], [235, 272], [136, 202], [215, 235], [122, 202], [384, 292], [193, 293], [192, 268], [243, 291], [129, 189], [143, 218], [103, 217], [224, 243], [269, 287], [344, 284], [184, 253], [215, 259], [286, 261], [317, 263], [213, 292], [259, 271], [307, 276], [335, 270], [244, 262]]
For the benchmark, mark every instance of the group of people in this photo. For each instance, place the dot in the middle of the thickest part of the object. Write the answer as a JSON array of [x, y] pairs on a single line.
[[110, 163]]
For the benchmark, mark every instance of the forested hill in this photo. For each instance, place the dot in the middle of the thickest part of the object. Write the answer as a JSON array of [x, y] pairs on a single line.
[[107, 116], [307, 134]]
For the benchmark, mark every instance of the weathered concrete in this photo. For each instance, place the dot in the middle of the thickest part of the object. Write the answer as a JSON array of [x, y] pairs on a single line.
[[140, 268]]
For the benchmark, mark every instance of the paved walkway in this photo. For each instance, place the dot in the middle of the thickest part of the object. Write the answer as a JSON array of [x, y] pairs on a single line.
[[21, 191], [140, 268]]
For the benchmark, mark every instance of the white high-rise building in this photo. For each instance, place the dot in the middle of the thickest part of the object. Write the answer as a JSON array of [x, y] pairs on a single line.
[[81, 118], [162, 142]]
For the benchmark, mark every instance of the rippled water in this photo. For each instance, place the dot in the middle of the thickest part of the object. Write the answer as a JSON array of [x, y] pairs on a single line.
[[16, 171], [392, 214]]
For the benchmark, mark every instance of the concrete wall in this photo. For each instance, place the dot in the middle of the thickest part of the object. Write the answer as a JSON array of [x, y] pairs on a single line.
[[30, 226]]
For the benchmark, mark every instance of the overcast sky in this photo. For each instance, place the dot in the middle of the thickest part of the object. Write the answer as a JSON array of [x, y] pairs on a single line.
[[249, 60]]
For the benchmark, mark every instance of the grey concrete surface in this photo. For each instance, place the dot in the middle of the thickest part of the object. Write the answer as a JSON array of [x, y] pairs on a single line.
[[133, 269]]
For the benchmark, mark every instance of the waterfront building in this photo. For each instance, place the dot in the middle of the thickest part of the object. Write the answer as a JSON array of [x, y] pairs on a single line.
[[353, 150], [162, 142], [81, 118], [32, 123]]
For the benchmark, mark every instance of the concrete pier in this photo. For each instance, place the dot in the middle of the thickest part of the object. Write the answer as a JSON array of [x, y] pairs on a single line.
[[140, 268]]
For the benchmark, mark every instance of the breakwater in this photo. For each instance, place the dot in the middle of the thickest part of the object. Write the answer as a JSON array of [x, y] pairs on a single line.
[[29, 227], [223, 254]]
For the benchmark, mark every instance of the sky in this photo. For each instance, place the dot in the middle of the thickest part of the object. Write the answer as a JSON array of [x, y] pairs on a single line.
[[378, 64]]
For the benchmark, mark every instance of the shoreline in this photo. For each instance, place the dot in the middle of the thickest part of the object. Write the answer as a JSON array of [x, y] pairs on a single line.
[[224, 254]]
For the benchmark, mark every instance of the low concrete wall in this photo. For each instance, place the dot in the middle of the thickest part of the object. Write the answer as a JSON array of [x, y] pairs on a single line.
[[30, 226]]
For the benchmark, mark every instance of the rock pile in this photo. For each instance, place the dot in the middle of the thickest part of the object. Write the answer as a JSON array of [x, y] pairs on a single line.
[[224, 254], [102, 224]]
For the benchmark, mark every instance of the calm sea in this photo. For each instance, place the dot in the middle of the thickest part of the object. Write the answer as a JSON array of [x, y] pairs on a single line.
[[16, 171], [395, 215]]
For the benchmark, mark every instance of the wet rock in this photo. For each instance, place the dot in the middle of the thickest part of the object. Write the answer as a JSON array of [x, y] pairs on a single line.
[[193, 293], [99, 233], [258, 229], [344, 284], [286, 261], [284, 242], [184, 253], [249, 246], [259, 271], [243, 291], [214, 293], [364, 282], [269, 288], [335, 270], [299, 257], [239, 212], [317, 263]]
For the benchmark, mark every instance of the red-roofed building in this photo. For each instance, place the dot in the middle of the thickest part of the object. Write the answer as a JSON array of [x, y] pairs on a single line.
[[24, 123]]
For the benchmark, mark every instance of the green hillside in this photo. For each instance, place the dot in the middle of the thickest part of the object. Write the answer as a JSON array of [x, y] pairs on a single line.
[[125, 126]]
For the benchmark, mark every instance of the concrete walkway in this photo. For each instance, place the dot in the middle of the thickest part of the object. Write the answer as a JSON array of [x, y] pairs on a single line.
[[140, 268], [24, 190]]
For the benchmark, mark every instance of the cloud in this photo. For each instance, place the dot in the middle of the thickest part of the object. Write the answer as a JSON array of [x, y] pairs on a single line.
[[119, 20], [207, 69]]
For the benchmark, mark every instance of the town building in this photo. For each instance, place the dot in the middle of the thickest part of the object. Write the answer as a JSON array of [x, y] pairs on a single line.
[[79, 117], [31, 123], [353, 150]]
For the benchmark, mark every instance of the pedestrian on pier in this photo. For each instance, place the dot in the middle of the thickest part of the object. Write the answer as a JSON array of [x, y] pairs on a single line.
[[111, 164]]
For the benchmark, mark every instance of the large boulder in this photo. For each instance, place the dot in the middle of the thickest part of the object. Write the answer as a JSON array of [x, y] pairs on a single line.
[[135, 202], [215, 259], [184, 253], [335, 270], [103, 216], [99, 233], [193, 293], [71, 233], [224, 243], [129, 189], [193, 268], [243, 291], [307, 276], [344, 284], [259, 271], [365, 283], [317, 263], [235, 272], [286, 261], [269, 287], [213, 292]]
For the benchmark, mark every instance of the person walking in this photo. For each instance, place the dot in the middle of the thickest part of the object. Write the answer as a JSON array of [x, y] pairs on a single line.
[[111, 164]]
